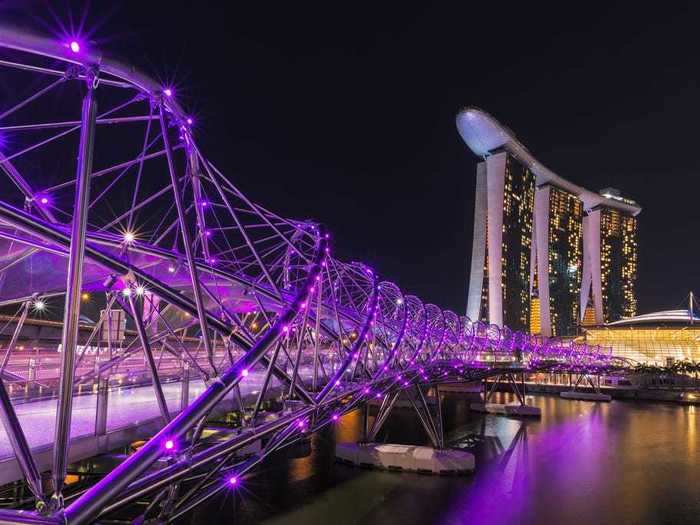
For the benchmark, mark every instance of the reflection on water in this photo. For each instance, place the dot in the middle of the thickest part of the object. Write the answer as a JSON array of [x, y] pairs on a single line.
[[619, 462]]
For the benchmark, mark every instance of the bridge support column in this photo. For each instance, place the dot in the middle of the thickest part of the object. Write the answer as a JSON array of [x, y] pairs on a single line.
[[102, 401], [185, 384], [438, 419], [596, 395], [510, 409]]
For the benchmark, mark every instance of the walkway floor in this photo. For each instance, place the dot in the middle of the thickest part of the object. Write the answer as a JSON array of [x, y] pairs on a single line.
[[127, 407]]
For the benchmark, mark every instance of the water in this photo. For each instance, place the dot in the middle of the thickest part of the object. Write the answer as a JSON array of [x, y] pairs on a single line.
[[582, 462]]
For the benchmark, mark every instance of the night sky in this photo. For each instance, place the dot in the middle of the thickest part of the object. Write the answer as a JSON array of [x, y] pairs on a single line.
[[346, 114]]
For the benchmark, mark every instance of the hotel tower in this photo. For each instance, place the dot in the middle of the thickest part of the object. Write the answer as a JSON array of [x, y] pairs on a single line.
[[548, 255]]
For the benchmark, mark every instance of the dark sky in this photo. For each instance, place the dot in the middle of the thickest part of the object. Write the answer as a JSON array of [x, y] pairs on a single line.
[[345, 114]]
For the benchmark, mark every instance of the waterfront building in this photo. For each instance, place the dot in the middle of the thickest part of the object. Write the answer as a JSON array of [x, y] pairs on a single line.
[[657, 338], [544, 248]]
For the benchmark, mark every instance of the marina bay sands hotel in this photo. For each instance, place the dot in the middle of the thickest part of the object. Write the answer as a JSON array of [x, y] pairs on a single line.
[[548, 255]]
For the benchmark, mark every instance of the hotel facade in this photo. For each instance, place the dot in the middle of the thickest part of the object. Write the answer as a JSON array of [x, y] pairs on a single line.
[[548, 256]]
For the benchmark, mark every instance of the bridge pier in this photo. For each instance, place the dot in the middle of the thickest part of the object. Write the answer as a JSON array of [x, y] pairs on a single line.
[[595, 395], [435, 459], [519, 409]]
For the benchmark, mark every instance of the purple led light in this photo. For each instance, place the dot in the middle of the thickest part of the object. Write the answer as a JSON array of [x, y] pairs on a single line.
[[432, 335]]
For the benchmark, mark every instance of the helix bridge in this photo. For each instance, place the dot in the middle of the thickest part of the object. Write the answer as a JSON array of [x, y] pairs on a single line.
[[106, 194]]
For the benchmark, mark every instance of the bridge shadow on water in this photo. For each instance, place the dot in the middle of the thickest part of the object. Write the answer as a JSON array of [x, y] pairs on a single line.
[[580, 463]]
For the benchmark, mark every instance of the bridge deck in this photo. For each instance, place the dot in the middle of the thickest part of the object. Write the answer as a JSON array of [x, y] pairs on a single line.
[[132, 414]]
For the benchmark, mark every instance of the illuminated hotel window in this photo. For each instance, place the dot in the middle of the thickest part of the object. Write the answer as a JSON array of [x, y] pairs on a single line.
[[618, 264], [518, 204], [565, 248]]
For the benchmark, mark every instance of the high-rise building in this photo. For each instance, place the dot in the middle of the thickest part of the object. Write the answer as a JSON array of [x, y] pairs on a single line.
[[559, 242], [500, 292], [610, 268], [544, 246]]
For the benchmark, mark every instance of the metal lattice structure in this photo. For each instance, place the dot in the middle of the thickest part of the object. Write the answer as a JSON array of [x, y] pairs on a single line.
[[207, 278]]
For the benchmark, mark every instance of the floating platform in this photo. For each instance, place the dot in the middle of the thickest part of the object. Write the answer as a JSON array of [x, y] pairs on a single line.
[[689, 398], [585, 396], [507, 409], [410, 458]]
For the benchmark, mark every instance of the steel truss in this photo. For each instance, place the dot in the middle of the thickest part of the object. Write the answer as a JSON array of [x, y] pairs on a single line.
[[145, 221]]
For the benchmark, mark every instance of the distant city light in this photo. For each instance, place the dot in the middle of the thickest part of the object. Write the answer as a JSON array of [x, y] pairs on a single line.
[[85, 296], [39, 305], [169, 444], [190, 121], [129, 237], [244, 372], [44, 200], [399, 301], [75, 46], [126, 292], [233, 481], [171, 269], [168, 92], [140, 290]]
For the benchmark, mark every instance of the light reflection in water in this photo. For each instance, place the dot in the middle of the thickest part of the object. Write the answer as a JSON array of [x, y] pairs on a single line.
[[619, 462]]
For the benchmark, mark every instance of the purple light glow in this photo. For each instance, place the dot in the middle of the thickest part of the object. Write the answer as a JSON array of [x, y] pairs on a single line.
[[438, 340]]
